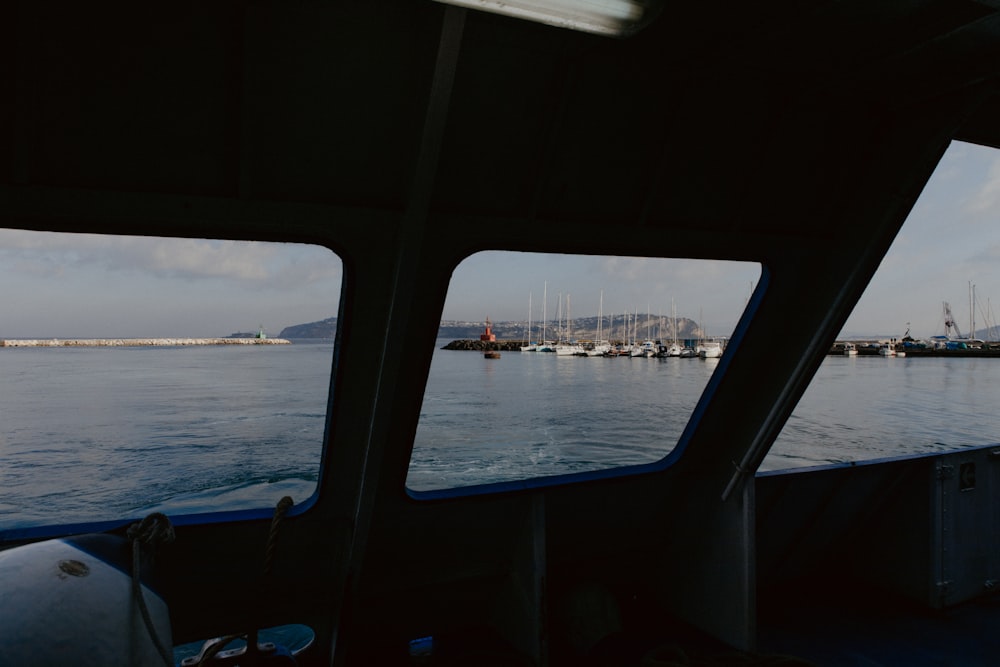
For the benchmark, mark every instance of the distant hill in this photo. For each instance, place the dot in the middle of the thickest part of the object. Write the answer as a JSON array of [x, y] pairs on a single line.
[[584, 328], [323, 329], [657, 327]]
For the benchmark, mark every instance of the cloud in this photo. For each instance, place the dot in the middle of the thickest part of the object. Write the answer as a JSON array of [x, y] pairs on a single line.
[[198, 258], [93, 285], [280, 266], [984, 203], [625, 268], [678, 270]]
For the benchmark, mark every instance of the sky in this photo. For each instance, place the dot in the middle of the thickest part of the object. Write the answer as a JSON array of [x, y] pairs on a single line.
[[948, 247], [82, 285], [93, 286], [715, 292], [950, 240]]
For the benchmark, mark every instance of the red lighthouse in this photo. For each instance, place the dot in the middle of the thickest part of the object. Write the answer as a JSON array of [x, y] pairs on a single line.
[[489, 337]]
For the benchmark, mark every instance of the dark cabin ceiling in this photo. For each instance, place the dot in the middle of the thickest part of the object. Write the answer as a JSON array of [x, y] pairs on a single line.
[[703, 121]]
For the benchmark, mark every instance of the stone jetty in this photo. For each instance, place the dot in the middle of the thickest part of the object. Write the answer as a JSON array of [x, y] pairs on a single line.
[[483, 346], [139, 342]]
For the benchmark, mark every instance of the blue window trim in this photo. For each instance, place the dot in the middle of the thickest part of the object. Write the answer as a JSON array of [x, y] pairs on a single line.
[[51, 531]]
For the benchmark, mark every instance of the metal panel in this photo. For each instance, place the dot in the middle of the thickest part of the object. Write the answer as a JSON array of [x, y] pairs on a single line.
[[965, 544], [925, 527]]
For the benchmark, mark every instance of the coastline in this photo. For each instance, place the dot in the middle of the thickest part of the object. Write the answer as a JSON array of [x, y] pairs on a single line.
[[139, 342], [864, 348], [871, 349]]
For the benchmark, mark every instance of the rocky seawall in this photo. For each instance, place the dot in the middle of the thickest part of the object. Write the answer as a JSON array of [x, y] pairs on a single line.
[[482, 346], [139, 342]]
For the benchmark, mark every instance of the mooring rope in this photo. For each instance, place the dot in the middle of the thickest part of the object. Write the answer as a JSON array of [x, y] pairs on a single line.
[[280, 510], [152, 531]]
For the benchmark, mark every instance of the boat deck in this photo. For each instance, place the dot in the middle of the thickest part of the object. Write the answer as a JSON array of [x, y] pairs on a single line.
[[858, 629], [822, 623]]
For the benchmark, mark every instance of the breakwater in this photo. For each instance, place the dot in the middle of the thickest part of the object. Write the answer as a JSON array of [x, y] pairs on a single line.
[[864, 348], [483, 346], [870, 349], [139, 342]]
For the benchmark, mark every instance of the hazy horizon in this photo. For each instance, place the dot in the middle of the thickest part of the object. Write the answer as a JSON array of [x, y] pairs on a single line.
[[91, 286]]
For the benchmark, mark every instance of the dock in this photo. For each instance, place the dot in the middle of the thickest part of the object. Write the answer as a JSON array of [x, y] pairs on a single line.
[[139, 342], [871, 349]]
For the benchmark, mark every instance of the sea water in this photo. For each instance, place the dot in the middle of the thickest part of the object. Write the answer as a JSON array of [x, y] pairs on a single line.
[[113, 432], [535, 414], [110, 433]]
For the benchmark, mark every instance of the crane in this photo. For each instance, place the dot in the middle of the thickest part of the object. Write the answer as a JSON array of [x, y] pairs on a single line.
[[949, 322]]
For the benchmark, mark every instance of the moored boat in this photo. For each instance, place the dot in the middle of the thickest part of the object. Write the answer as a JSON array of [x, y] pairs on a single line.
[[598, 348], [709, 349], [646, 348]]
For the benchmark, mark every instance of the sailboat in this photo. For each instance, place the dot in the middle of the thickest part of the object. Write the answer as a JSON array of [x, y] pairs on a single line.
[[530, 347], [568, 348], [674, 349], [625, 347], [543, 345], [646, 348], [601, 346]]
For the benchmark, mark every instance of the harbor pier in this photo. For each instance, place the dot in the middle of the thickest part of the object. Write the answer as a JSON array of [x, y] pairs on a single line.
[[138, 342]]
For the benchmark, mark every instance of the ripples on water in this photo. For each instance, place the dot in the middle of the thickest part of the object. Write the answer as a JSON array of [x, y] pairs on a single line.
[[105, 433], [530, 414], [111, 433], [860, 408], [538, 414]]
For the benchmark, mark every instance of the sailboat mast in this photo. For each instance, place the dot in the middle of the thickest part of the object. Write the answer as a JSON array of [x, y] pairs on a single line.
[[673, 308], [545, 302], [972, 310], [600, 316], [569, 324], [529, 318], [559, 320]]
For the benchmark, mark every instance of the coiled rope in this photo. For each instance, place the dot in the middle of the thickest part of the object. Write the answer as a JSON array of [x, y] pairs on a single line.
[[151, 532]]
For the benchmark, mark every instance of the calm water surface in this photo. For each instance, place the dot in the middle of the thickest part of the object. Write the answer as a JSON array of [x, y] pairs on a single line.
[[110, 433], [113, 432], [534, 414], [531, 414], [860, 408]]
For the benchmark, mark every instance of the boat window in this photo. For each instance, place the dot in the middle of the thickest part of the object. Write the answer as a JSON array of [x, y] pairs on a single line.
[[160, 374], [916, 367], [556, 365]]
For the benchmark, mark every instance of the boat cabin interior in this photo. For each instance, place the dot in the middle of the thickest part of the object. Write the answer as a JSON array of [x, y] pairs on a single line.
[[408, 135]]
